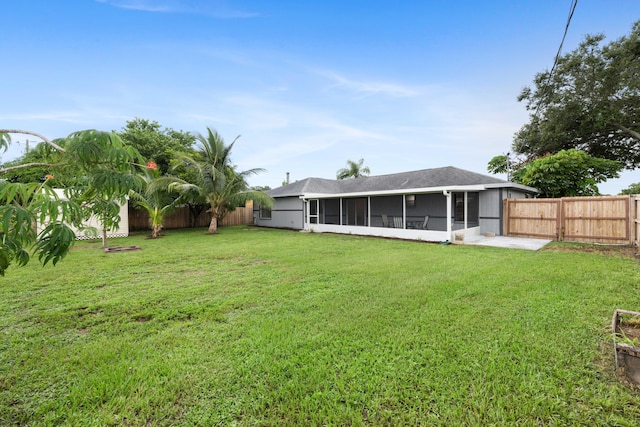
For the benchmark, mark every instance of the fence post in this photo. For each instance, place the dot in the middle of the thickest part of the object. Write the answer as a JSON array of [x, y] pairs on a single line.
[[633, 218], [560, 223]]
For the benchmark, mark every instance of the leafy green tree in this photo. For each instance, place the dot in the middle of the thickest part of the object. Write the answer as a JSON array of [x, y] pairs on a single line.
[[155, 143], [94, 165], [22, 206], [217, 182], [504, 164], [155, 198], [33, 165], [632, 189], [590, 102], [567, 173], [353, 170]]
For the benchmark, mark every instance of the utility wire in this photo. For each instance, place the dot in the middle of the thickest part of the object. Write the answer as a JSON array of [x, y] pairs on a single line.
[[574, 3], [572, 9]]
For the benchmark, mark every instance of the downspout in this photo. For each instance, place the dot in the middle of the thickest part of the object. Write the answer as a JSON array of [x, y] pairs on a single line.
[[447, 194]]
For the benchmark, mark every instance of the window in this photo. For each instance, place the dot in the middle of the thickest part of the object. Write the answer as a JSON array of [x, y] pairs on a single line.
[[265, 212]]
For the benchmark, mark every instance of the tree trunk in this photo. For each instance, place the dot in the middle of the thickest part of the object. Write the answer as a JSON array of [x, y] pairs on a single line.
[[194, 211], [26, 165], [28, 132], [213, 226], [626, 130]]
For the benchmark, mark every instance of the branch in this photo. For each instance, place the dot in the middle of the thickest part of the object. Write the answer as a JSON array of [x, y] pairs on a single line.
[[632, 133], [26, 165], [28, 132]]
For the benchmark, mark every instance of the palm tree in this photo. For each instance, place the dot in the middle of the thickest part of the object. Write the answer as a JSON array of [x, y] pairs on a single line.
[[216, 179], [155, 198], [353, 170]]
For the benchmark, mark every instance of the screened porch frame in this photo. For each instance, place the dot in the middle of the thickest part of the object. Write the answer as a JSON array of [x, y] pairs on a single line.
[[415, 213]]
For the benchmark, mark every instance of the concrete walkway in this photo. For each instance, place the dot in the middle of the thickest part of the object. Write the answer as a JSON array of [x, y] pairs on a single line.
[[507, 242]]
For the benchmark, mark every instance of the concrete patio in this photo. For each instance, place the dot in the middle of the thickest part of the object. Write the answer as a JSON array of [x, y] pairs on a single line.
[[507, 242]]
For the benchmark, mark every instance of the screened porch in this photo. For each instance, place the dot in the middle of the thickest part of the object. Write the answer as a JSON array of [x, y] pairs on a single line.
[[424, 216]]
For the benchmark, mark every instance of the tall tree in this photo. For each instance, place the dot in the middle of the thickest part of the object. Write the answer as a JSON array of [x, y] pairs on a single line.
[[217, 181], [564, 174], [590, 101], [94, 165], [155, 143], [33, 165], [569, 173], [353, 170], [632, 189]]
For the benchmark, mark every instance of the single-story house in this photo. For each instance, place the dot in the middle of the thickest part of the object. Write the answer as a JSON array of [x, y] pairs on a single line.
[[437, 205]]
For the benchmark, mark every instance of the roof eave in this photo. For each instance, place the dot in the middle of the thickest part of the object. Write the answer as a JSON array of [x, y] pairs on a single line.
[[513, 185], [449, 188]]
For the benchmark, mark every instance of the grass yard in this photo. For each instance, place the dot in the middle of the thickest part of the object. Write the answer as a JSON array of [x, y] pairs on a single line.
[[258, 327]]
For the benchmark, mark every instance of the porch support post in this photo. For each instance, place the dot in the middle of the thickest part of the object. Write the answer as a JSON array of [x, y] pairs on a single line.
[[404, 211], [465, 210], [448, 196], [368, 211], [340, 210], [305, 214]]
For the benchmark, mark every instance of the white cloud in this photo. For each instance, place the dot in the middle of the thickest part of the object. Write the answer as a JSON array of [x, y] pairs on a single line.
[[60, 116], [365, 86], [213, 8], [142, 5]]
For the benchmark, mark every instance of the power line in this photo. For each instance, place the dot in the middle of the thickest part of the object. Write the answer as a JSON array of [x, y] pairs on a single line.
[[572, 9], [574, 3]]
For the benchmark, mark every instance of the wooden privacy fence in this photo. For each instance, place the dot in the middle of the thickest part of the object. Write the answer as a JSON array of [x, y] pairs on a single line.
[[181, 218], [602, 219]]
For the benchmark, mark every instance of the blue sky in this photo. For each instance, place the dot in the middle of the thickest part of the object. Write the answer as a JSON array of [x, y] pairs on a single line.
[[405, 85]]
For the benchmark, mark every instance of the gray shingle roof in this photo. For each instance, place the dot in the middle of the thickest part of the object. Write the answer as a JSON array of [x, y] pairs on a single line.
[[425, 178]]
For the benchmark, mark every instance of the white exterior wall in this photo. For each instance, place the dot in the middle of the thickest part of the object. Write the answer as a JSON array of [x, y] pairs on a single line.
[[397, 233], [122, 231]]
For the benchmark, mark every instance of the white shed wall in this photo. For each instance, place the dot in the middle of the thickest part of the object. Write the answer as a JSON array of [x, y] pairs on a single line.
[[122, 231]]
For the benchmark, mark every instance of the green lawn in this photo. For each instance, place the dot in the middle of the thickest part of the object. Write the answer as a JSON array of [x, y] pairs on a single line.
[[269, 327]]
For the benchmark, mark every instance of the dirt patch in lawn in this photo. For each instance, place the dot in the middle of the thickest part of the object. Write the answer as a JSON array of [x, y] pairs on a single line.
[[621, 251], [113, 249]]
